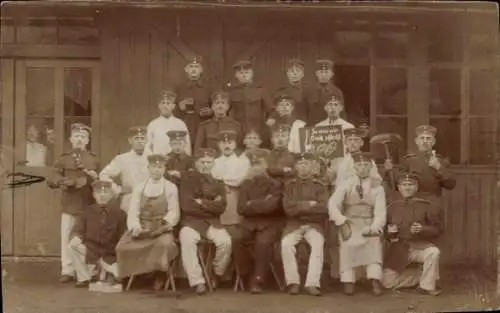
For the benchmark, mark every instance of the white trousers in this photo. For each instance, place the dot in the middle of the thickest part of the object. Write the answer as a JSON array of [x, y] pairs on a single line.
[[316, 241], [373, 271], [189, 239], [425, 277], [67, 224], [84, 271]]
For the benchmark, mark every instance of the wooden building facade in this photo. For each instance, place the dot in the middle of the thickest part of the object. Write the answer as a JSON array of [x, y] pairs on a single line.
[[399, 66]]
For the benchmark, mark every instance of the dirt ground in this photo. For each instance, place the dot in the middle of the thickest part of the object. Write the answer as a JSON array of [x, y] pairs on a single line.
[[464, 290]]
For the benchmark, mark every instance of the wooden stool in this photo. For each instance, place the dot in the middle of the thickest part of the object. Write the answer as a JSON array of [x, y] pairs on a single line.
[[206, 263], [170, 280]]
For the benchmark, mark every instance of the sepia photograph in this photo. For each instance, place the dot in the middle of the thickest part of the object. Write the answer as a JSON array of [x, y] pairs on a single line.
[[249, 156]]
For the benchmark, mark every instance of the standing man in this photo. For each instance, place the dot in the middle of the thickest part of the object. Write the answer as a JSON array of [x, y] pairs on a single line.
[[158, 141], [250, 104], [414, 224], [75, 171], [432, 169], [333, 106], [203, 200], [97, 231], [149, 244], [130, 168], [194, 97], [358, 207], [178, 162], [296, 88], [207, 135], [322, 91], [305, 202], [259, 204]]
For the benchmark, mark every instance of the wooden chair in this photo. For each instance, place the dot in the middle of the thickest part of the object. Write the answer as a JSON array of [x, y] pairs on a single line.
[[206, 262], [170, 279]]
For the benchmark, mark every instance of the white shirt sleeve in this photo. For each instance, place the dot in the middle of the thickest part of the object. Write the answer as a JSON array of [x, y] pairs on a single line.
[[110, 171], [188, 138], [335, 204], [150, 137], [172, 196], [134, 209]]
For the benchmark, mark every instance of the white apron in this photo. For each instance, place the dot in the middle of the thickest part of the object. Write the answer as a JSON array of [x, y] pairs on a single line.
[[230, 215]]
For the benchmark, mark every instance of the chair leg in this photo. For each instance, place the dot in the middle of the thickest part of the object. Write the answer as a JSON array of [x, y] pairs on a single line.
[[129, 284], [276, 277], [238, 282], [204, 270], [170, 281]]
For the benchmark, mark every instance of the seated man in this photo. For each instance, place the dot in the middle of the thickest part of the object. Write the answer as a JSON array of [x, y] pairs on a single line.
[[97, 231], [149, 245], [413, 226], [305, 203], [358, 207], [203, 200], [259, 204]]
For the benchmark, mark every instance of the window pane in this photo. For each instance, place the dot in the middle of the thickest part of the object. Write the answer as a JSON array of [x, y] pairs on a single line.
[[391, 125], [444, 43], [392, 89], [448, 138], [483, 140], [444, 92], [391, 45], [40, 94], [483, 92]]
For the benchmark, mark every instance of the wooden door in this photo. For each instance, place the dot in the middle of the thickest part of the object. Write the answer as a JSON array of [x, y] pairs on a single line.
[[50, 95]]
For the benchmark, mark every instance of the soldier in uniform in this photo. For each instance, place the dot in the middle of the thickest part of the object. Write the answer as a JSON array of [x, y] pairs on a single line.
[[296, 88], [203, 200], [75, 171], [334, 106], [158, 141], [207, 135], [97, 231], [281, 161], [251, 141], [432, 168], [358, 208], [322, 91], [149, 244], [285, 108], [250, 104], [305, 203], [178, 162], [129, 168], [259, 204], [413, 226], [194, 97]]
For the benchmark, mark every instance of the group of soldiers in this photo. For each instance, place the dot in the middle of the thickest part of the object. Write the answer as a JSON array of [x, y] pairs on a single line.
[[245, 186]]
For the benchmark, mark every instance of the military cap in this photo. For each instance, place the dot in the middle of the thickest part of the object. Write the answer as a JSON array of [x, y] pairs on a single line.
[[283, 97], [281, 128], [195, 60], [324, 64], [157, 159], [220, 95], [252, 131], [334, 96], [242, 65], [227, 135], [362, 156], [77, 127], [295, 62], [101, 185], [408, 176], [169, 94], [137, 131], [205, 152], [428, 129], [258, 154], [176, 134], [354, 132]]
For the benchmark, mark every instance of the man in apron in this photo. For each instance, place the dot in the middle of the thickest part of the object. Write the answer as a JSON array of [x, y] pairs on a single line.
[[97, 231], [148, 245], [203, 200], [305, 203], [358, 208], [129, 168], [178, 162], [413, 227]]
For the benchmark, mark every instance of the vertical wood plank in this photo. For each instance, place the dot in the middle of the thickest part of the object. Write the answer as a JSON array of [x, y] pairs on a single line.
[[127, 88], [157, 56], [141, 77]]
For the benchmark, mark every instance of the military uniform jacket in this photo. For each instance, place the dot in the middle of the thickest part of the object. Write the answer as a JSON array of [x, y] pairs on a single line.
[[318, 96], [251, 106], [278, 160], [178, 162], [100, 230], [259, 200], [403, 213], [208, 131], [296, 196], [195, 185], [299, 93], [68, 174], [431, 181], [201, 96]]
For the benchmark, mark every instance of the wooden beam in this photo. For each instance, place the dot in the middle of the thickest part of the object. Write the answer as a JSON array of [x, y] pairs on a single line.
[[182, 48], [50, 51]]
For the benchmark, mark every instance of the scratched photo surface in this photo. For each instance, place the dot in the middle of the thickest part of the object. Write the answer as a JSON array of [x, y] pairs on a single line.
[[155, 156]]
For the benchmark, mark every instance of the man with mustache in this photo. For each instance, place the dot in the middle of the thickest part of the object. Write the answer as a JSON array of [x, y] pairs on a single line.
[[129, 168], [75, 171], [178, 162], [207, 135]]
